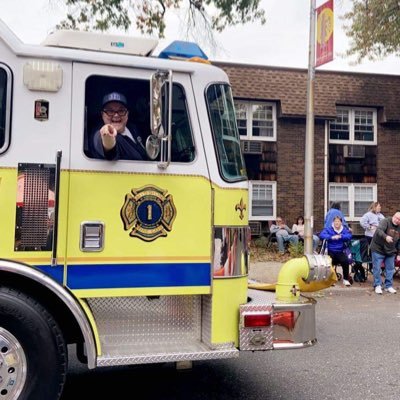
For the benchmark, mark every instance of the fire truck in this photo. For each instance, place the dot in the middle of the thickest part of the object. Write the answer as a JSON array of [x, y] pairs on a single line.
[[127, 261]]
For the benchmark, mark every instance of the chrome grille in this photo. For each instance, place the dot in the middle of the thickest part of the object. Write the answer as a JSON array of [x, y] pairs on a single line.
[[35, 182]]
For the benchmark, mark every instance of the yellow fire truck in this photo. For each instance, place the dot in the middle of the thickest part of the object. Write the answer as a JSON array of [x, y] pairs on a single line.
[[132, 261]]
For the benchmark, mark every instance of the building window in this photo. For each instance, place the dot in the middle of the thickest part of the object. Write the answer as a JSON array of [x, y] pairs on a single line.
[[354, 126], [256, 120], [262, 200], [5, 107], [354, 198]]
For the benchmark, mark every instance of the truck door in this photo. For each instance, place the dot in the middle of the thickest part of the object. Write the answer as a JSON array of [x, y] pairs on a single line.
[[134, 228]]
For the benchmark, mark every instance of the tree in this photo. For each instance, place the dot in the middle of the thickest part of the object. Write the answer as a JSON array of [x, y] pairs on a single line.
[[149, 15], [374, 29]]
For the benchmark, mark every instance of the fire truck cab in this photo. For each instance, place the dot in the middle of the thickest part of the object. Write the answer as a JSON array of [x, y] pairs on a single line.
[[132, 260]]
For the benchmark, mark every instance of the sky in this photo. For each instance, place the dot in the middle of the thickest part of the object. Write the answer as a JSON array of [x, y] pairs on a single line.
[[283, 41]]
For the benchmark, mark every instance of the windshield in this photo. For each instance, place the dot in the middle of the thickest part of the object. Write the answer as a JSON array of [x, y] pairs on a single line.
[[226, 137]]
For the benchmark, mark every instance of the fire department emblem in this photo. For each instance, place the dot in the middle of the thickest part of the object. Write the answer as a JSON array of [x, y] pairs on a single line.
[[149, 212]]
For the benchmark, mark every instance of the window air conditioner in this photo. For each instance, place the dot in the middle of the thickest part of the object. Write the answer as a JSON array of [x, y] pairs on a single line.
[[353, 151], [251, 147]]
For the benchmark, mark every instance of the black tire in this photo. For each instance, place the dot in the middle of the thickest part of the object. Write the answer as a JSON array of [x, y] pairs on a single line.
[[32, 349]]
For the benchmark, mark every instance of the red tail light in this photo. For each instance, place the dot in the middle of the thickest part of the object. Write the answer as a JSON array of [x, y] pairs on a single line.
[[257, 320]]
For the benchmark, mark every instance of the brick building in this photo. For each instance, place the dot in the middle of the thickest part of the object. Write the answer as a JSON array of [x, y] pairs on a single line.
[[357, 141]]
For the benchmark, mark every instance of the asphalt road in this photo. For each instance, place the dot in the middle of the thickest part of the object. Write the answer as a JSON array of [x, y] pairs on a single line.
[[357, 357]]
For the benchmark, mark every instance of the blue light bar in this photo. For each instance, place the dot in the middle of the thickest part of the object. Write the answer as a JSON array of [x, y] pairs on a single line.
[[181, 49]]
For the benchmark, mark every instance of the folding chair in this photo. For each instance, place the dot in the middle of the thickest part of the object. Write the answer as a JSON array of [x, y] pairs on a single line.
[[271, 237], [361, 254]]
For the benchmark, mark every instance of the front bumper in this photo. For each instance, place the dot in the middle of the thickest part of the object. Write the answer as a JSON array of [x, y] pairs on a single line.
[[292, 324]]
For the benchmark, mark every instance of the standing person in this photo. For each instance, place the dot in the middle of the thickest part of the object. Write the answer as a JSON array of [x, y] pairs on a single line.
[[371, 219], [298, 229], [283, 234], [333, 212], [384, 247], [114, 141], [336, 236]]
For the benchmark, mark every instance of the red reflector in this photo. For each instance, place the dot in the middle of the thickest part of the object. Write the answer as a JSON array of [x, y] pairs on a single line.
[[284, 318], [252, 320]]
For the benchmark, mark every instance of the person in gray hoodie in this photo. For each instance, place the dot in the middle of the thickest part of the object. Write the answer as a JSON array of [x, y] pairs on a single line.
[[370, 220]]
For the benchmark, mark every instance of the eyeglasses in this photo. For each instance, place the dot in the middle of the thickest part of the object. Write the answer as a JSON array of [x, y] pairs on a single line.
[[111, 113]]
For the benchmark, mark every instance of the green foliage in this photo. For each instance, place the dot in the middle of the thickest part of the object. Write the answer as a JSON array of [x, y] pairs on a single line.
[[261, 242], [296, 250], [149, 15], [374, 29]]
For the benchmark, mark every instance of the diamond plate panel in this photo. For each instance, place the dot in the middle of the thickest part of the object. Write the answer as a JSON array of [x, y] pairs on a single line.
[[200, 354], [256, 338], [146, 321], [206, 318], [141, 330]]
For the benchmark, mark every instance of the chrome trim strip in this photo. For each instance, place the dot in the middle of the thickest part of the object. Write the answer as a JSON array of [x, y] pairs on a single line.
[[64, 295], [291, 346], [202, 354]]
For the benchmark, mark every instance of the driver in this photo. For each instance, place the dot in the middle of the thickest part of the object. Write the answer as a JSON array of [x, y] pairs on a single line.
[[114, 141]]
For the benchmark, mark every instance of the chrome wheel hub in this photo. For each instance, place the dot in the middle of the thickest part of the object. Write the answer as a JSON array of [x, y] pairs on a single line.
[[12, 366]]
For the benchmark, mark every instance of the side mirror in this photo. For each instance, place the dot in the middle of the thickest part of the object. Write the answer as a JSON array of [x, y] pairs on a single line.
[[158, 80], [160, 117]]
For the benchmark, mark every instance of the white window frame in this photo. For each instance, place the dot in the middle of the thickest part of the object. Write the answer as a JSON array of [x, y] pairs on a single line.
[[351, 199], [249, 120], [351, 140], [266, 217]]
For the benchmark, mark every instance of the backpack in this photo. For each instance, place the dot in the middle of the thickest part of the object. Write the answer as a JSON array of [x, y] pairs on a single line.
[[359, 273]]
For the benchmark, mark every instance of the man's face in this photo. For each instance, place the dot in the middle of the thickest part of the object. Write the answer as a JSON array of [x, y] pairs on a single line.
[[116, 114], [396, 218]]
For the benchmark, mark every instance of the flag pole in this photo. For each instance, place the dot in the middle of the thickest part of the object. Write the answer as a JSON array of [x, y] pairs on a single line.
[[309, 145]]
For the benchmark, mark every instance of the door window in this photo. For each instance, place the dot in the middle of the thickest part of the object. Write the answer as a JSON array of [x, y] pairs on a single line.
[[124, 104], [5, 107]]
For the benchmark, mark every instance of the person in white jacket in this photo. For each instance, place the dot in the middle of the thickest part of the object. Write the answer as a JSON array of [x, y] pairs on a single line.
[[370, 220]]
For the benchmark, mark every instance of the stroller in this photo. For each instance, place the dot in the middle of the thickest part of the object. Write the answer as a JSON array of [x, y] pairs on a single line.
[[361, 255]]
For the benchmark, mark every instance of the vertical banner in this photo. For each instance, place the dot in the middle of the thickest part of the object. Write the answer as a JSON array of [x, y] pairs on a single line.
[[324, 33]]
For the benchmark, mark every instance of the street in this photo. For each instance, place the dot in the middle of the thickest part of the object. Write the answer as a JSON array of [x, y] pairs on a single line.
[[356, 357]]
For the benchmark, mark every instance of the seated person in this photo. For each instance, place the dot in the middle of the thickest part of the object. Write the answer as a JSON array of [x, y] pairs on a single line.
[[114, 141], [336, 237], [335, 211], [298, 229], [283, 234]]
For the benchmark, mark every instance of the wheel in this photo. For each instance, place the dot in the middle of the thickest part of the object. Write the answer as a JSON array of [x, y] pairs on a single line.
[[33, 353]]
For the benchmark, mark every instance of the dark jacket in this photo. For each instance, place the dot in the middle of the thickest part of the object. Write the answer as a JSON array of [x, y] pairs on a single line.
[[124, 149], [335, 245], [379, 244]]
